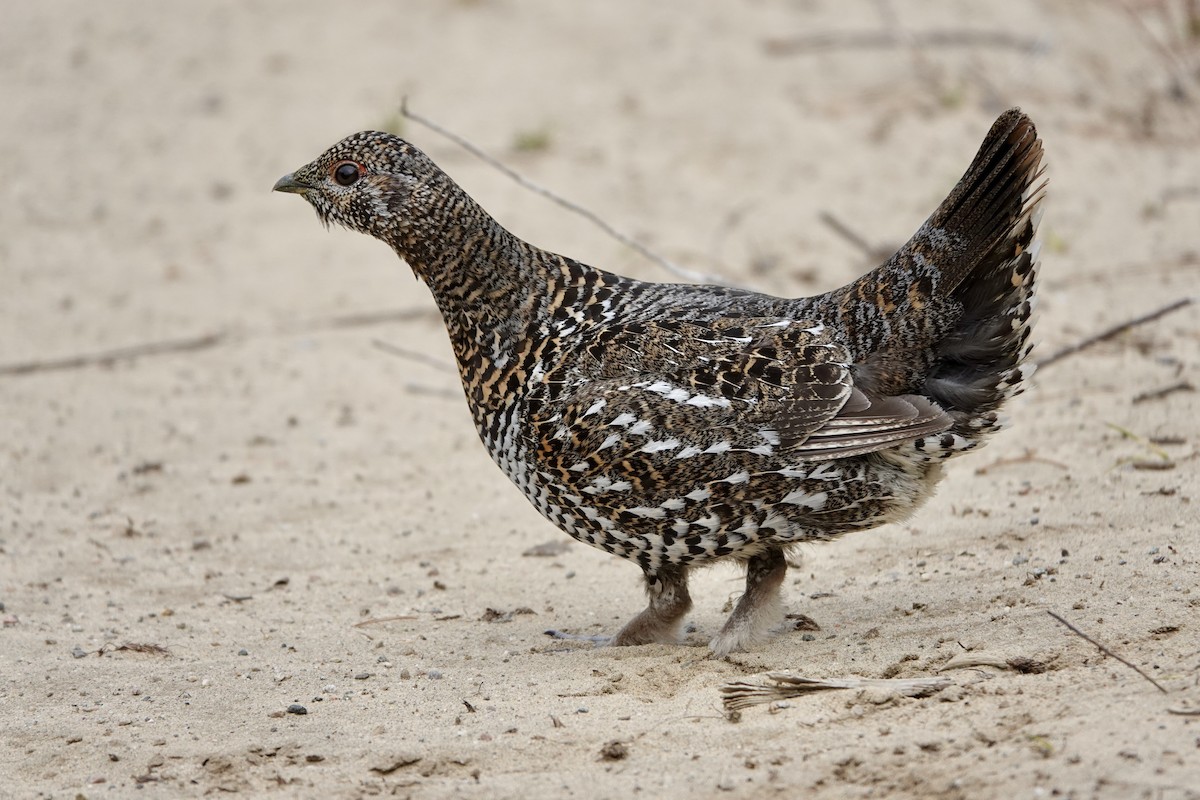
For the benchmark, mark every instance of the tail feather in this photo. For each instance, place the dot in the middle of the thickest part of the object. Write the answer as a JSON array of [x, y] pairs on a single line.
[[959, 265], [980, 362], [949, 316], [998, 193]]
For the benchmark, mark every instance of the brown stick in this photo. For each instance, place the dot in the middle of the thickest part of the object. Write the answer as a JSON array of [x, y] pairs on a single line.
[[1116, 330], [862, 40], [118, 354], [196, 343], [1106, 651]]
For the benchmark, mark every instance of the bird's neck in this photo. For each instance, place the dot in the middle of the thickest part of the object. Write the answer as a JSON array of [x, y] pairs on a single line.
[[497, 293]]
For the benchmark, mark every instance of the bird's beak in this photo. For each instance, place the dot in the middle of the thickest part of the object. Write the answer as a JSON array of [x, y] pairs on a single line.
[[288, 183]]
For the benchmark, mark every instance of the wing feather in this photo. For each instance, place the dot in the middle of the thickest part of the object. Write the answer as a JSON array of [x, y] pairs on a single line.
[[656, 394]]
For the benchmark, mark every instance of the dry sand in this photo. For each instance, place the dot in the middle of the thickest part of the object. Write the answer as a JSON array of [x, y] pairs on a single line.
[[298, 517]]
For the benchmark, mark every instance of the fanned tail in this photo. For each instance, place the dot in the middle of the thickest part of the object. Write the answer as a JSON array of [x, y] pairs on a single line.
[[949, 315], [981, 362]]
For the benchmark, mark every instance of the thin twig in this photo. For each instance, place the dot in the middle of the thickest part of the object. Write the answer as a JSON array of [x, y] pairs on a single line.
[[413, 355], [118, 354], [1158, 394], [873, 252], [1116, 330], [862, 40], [646, 252], [1106, 651], [204, 342]]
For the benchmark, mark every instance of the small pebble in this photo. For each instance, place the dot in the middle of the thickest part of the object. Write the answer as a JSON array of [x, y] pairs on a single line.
[[1019, 560], [405, 674], [79, 652], [296, 708], [243, 652], [1152, 551], [581, 710], [434, 675], [362, 676]]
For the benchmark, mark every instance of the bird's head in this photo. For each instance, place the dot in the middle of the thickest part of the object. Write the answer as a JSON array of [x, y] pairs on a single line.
[[367, 182]]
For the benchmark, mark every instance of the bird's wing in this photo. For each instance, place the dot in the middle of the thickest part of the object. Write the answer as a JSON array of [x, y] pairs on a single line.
[[648, 394]]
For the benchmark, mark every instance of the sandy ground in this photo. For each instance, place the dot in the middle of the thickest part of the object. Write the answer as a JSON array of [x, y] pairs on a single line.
[[192, 541]]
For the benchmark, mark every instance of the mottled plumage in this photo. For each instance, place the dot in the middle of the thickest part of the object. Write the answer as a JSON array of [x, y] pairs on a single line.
[[672, 424]]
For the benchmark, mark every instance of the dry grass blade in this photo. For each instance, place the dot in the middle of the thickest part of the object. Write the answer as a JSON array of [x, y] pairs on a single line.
[[737, 695]]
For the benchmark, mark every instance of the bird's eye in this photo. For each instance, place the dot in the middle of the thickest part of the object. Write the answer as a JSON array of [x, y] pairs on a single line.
[[346, 173]]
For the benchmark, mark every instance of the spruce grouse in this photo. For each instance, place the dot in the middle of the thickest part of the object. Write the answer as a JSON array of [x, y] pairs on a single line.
[[672, 424]]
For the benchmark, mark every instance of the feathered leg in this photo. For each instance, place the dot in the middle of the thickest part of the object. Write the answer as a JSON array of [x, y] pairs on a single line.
[[661, 619], [669, 603], [761, 606]]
